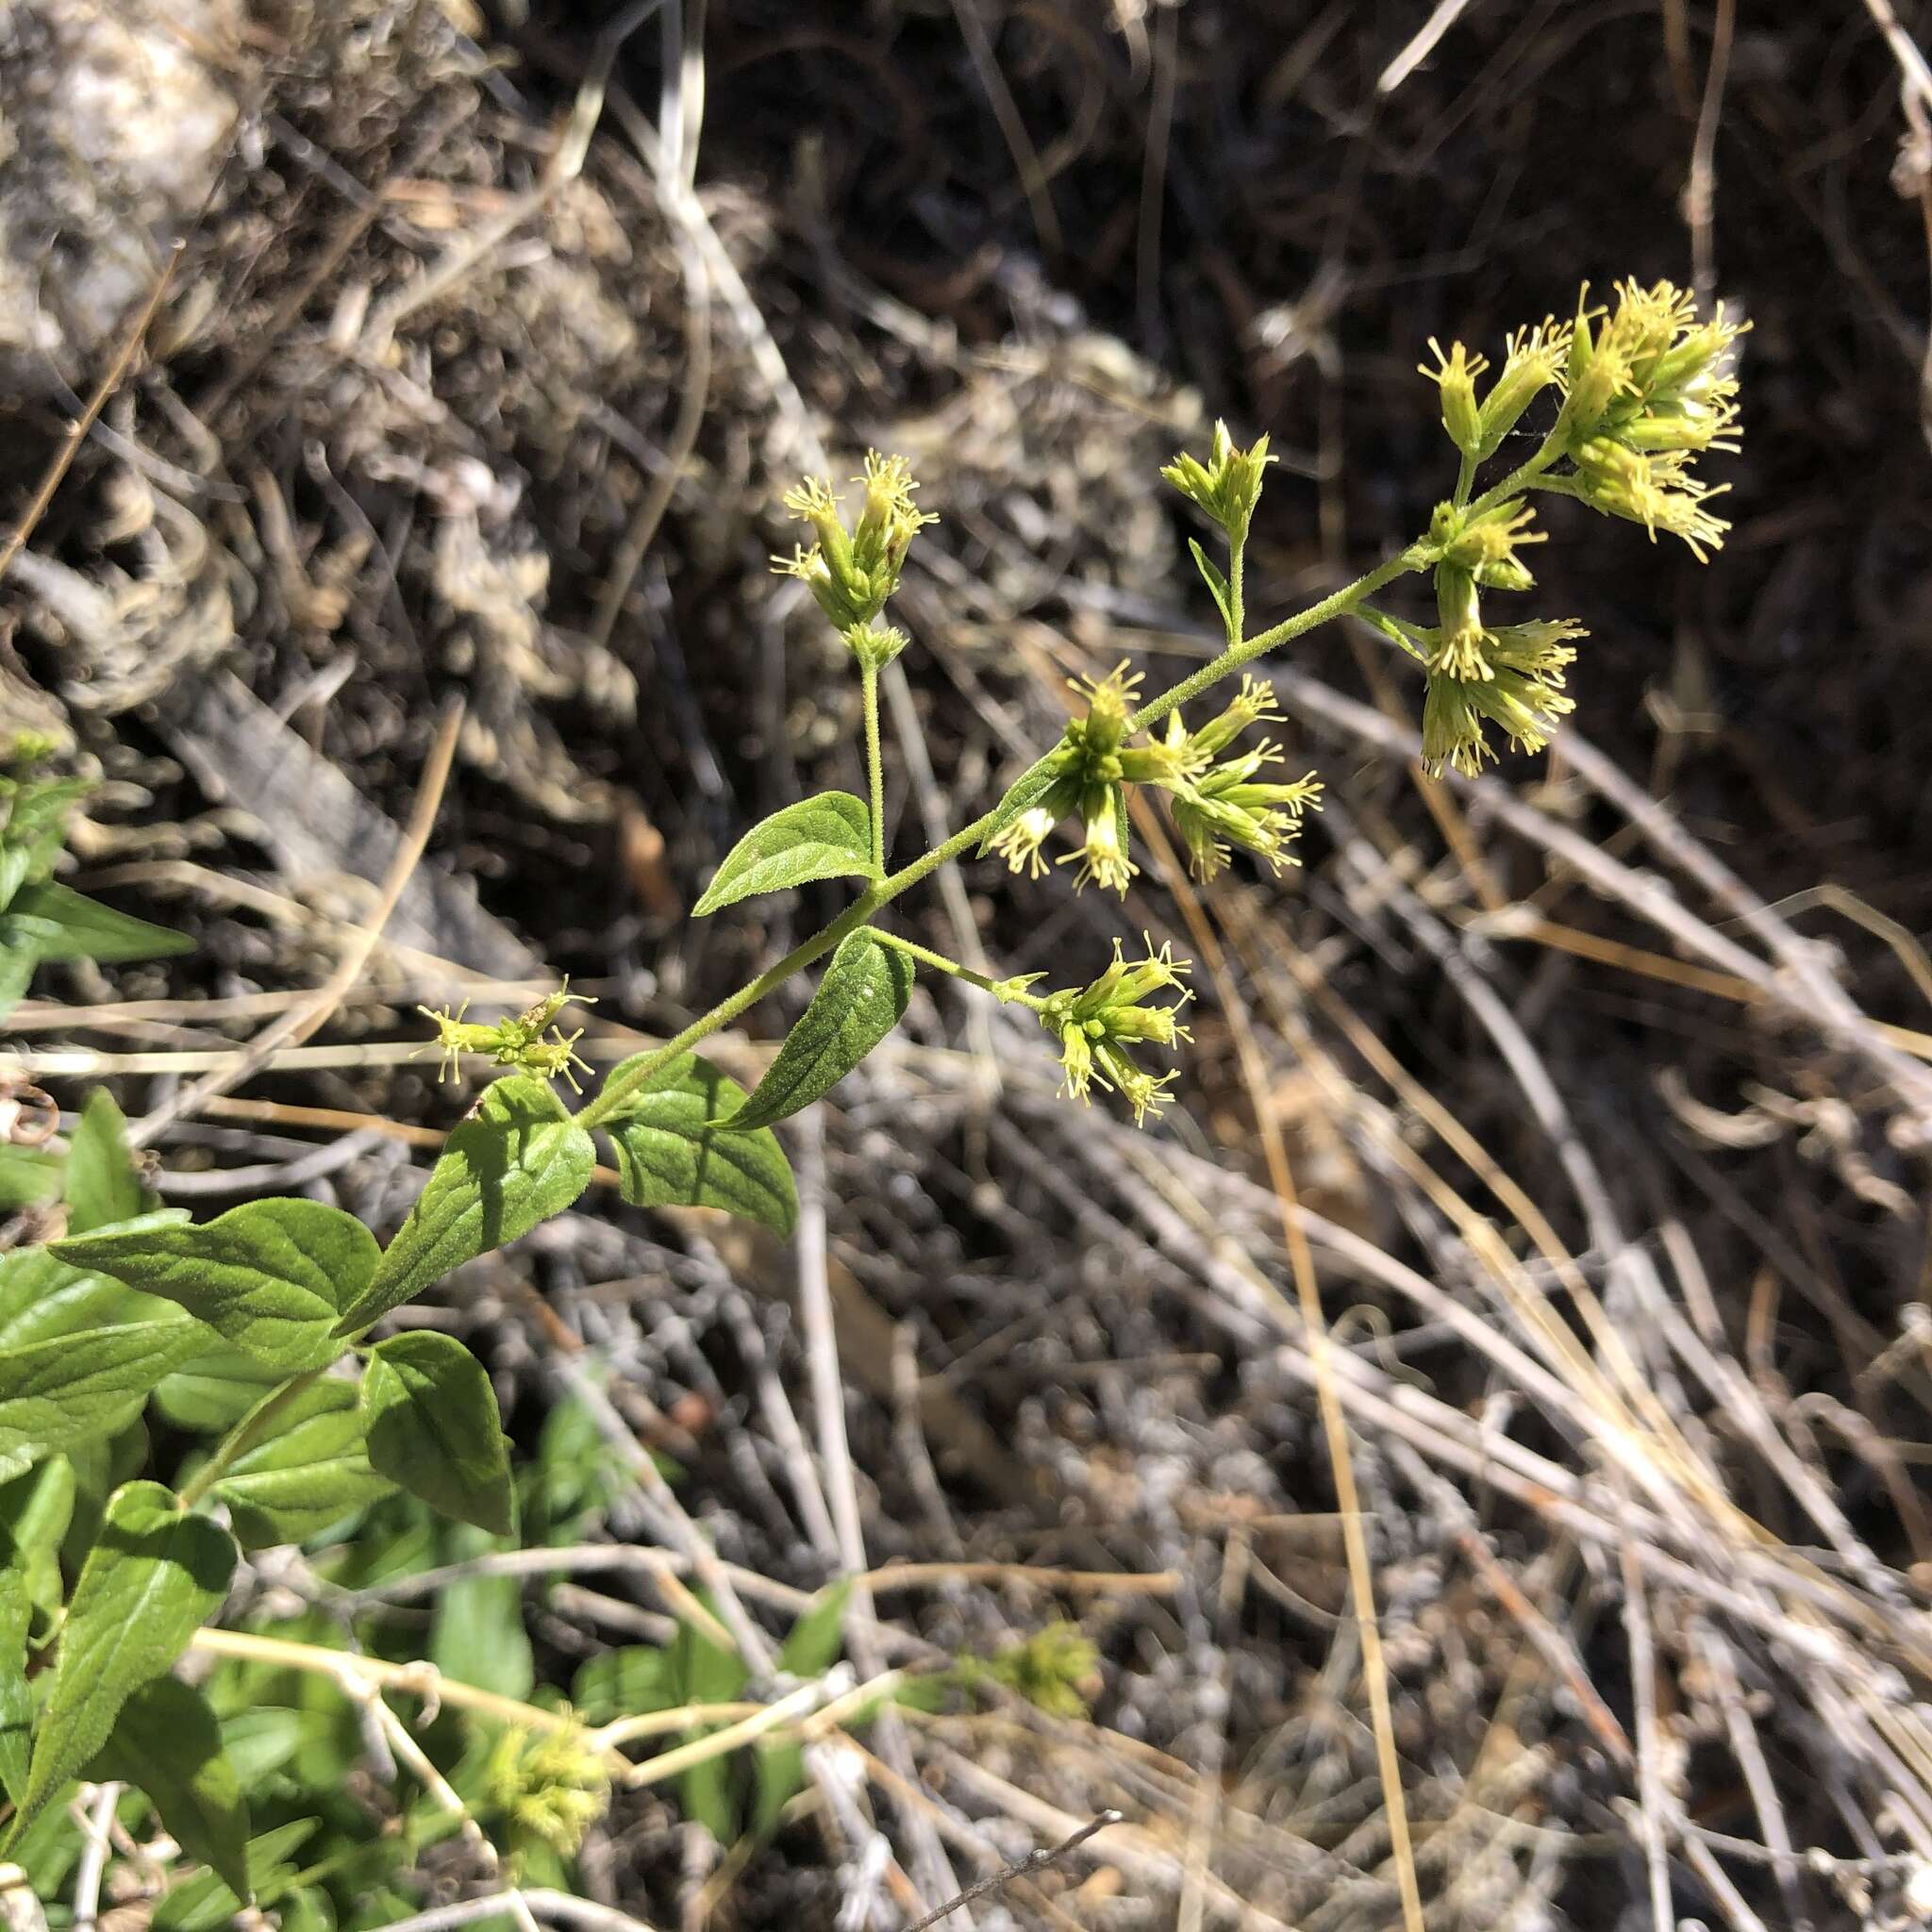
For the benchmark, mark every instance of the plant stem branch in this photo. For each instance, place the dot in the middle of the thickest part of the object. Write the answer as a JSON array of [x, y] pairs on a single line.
[[1336, 605], [875, 768], [1005, 991], [244, 1436], [616, 1091]]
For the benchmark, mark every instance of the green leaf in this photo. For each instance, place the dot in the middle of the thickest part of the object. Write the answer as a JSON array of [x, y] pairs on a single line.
[[166, 1744], [149, 1584], [207, 1904], [214, 1392], [36, 1511], [810, 1650], [16, 1697], [519, 1160], [43, 1297], [430, 1416], [84, 1388], [828, 837], [1022, 794], [478, 1637], [17, 962], [30, 1176], [813, 1645], [1217, 584], [858, 1002], [102, 1186], [668, 1157], [269, 1277], [35, 831], [706, 1674], [307, 1476], [55, 923], [634, 1677]]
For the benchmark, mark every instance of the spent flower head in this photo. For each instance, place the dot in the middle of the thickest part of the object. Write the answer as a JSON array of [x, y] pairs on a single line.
[[1099, 1026], [1228, 485], [1227, 807]]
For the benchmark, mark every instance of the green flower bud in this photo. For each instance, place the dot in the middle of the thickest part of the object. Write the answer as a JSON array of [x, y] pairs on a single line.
[[1536, 359], [1228, 486], [1455, 374]]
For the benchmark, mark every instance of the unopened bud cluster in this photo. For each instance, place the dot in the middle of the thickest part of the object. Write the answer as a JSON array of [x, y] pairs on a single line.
[[853, 571], [1228, 486]]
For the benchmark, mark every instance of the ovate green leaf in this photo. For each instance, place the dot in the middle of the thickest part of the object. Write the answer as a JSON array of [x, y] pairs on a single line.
[[55, 923], [519, 1160], [669, 1155], [706, 1674], [152, 1579], [858, 1002], [206, 1904], [30, 1176], [822, 838], [43, 1297], [634, 1677], [478, 1637], [270, 1277], [213, 1392], [84, 1388], [310, 1471], [36, 1511], [166, 1742], [430, 1416], [102, 1187]]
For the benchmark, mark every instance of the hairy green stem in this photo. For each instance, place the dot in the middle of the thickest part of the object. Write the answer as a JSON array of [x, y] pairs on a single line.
[[244, 1436], [616, 1092], [1005, 991], [875, 765], [1287, 629]]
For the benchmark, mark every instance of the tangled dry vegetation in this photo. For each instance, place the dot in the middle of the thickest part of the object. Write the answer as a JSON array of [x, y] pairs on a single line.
[[1605, 1080]]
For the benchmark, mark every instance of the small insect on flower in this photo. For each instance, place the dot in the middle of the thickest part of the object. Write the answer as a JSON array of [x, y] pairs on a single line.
[[517, 1041]]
